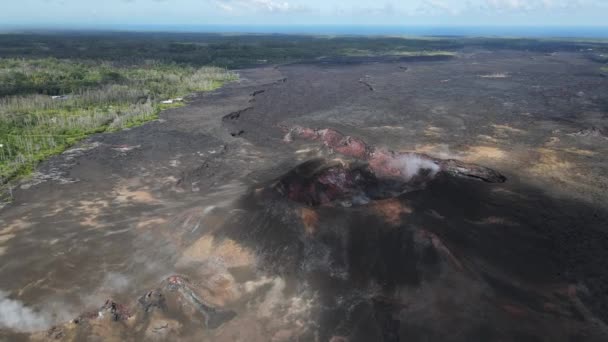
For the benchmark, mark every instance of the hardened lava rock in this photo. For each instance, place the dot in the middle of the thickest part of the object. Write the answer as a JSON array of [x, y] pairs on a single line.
[[213, 317], [156, 314]]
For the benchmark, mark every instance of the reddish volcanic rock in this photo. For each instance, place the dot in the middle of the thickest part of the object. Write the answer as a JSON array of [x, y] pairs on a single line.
[[391, 164]]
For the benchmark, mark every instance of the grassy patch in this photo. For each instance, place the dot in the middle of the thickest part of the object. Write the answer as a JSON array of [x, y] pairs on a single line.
[[604, 68], [50, 104]]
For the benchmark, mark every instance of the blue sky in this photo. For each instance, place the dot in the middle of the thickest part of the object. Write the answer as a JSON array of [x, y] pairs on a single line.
[[89, 13]]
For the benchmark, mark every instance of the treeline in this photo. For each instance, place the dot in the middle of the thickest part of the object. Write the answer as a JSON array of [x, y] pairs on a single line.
[[52, 77], [235, 51]]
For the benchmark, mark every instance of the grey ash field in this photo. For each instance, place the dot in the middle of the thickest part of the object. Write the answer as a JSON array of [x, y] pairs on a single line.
[[186, 227]]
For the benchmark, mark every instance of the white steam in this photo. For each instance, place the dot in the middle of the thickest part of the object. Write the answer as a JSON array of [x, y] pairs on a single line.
[[274, 298], [410, 165], [116, 282], [14, 315]]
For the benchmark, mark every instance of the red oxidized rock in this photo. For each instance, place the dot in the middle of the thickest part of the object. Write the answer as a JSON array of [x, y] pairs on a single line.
[[117, 311], [391, 164]]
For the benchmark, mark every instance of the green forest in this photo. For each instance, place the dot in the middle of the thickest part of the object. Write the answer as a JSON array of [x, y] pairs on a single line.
[[48, 104]]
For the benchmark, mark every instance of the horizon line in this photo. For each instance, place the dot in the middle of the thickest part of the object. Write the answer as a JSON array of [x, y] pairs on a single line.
[[544, 31]]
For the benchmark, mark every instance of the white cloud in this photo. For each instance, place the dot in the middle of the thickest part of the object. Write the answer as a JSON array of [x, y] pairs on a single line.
[[387, 9], [271, 6], [306, 12], [509, 4], [532, 5], [439, 7]]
